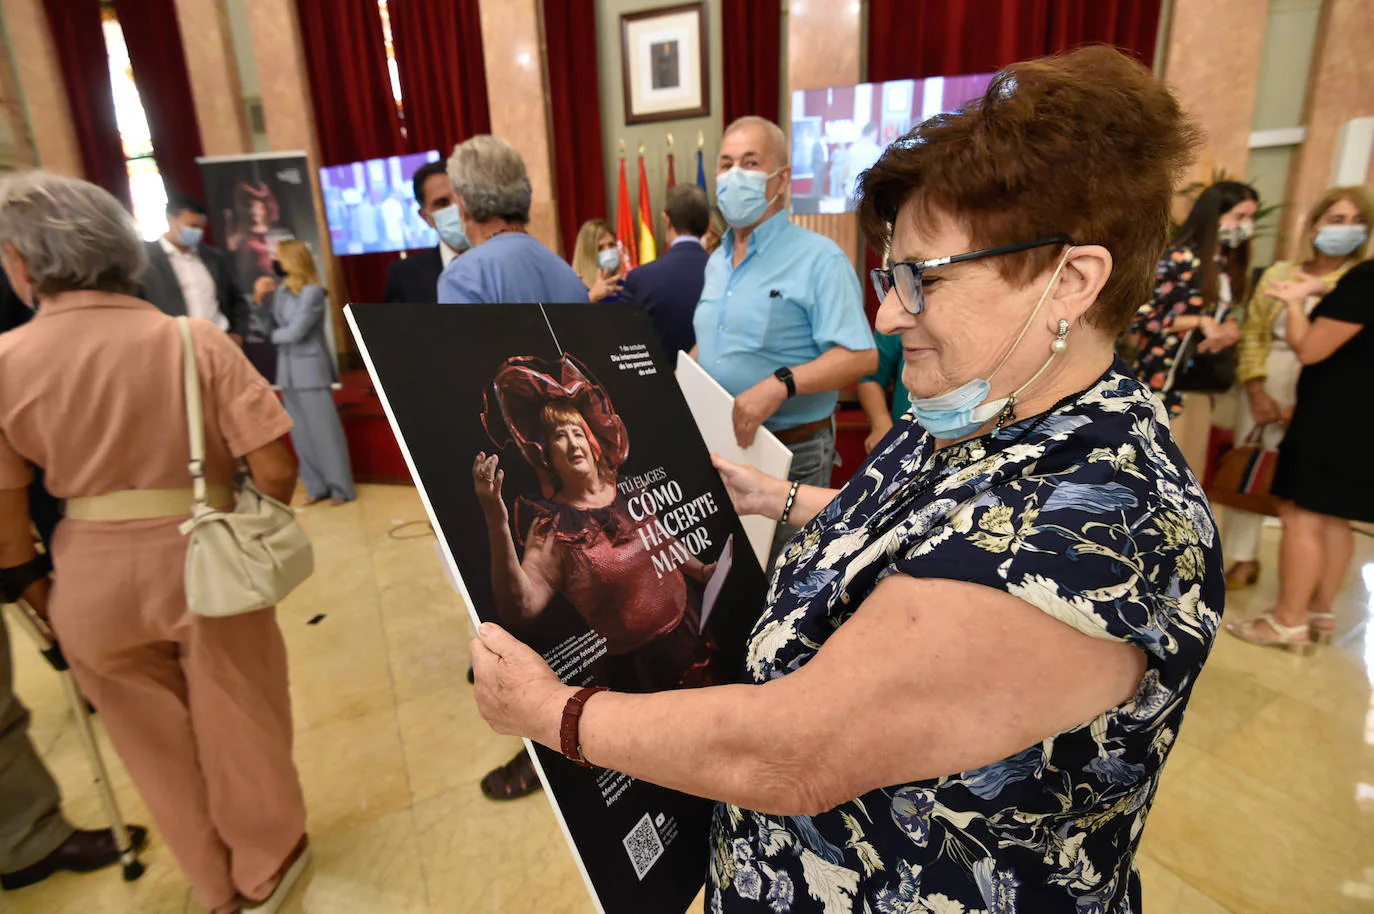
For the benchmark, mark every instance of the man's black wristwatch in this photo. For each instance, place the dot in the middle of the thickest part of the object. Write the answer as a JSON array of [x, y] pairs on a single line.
[[784, 375]]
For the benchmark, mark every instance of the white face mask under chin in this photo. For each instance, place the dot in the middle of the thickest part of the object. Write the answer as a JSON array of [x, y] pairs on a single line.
[[964, 410]]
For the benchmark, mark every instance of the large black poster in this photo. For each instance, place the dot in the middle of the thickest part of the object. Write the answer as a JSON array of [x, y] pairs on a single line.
[[254, 203], [555, 438]]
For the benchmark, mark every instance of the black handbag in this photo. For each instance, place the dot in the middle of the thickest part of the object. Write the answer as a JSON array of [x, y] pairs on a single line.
[[1207, 372]]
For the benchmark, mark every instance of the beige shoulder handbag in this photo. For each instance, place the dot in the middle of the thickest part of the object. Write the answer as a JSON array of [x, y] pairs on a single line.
[[243, 560]]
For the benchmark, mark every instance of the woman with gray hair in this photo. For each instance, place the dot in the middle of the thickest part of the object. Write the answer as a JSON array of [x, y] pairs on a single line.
[[492, 191], [91, 391]]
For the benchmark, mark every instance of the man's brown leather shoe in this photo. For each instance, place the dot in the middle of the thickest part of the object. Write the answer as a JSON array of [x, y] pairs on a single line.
[[83, 852]]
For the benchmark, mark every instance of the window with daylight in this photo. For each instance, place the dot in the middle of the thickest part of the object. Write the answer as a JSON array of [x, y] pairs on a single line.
[[145, 181], [391, 67]]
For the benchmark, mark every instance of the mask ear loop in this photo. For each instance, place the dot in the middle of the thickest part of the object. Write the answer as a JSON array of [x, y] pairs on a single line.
[[1059, 345]]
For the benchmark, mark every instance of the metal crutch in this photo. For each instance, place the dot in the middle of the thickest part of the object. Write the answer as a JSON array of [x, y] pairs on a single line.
[[52, 652]]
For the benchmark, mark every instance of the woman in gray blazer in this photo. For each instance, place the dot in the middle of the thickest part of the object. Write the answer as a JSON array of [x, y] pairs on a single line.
[[294, 321]]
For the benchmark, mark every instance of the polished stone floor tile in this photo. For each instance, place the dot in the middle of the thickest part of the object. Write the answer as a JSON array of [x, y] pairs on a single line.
[[1265, 805]]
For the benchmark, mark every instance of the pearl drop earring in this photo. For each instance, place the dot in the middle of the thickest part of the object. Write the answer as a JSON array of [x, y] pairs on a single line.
[[1059, 345]]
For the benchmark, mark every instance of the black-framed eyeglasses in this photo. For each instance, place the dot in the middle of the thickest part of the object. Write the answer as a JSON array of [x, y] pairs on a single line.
[[905, 277]]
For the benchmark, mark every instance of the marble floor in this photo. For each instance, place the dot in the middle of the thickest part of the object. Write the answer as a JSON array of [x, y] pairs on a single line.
[[1267, 803]]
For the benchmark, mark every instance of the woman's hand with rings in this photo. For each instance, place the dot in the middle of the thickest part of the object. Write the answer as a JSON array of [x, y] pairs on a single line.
[[751, 491], [517, 694], [607, 283], [487, 477]]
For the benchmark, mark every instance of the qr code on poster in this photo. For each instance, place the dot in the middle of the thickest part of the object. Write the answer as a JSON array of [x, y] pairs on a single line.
[[643, 846]]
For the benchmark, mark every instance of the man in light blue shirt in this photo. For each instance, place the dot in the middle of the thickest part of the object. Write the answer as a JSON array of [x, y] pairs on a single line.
[[781, 323], [506, 264]]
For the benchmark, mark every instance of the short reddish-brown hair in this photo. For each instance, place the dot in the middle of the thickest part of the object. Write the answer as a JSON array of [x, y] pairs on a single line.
[[1086, 144]]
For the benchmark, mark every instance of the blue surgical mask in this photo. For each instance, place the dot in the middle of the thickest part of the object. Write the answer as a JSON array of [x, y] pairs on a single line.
[[190, 235], [966, 408], [450, 228], [1340, 240], [608, 259], [742, 195]]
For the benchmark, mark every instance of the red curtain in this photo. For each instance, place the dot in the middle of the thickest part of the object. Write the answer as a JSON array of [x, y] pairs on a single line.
[[355, 112], [751, 39], [578, 166], [950, 37], [443, 78], [80, 44], [159, 62]]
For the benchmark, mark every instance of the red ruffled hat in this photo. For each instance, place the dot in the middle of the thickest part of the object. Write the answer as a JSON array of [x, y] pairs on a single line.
[[524, 385]]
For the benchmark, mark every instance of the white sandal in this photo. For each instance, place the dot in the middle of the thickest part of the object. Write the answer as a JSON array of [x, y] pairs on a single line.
[[1294, 638], [1321, 634]]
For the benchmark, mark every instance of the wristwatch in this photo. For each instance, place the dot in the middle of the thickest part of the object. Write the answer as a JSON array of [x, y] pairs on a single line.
[[784, 375]]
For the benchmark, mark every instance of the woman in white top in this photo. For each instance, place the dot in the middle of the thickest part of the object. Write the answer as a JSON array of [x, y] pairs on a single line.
[[1337, 238]]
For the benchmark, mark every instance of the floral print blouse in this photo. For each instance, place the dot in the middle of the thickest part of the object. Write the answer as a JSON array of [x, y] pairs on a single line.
[[1087, 512], [1178, 293]]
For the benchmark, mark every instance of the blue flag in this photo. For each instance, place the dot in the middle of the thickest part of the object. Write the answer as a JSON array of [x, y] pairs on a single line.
[[701, 171]]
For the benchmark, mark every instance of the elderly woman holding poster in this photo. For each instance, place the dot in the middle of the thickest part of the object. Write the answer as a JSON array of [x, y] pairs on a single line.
[[608, 553], [974, 659]]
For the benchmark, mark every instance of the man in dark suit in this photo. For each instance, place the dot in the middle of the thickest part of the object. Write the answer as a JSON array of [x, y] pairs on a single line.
[[187, 277], [415, 278], [670, 286]]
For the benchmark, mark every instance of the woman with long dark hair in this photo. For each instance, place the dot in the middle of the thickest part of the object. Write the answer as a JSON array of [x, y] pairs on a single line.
[[1202, 275]]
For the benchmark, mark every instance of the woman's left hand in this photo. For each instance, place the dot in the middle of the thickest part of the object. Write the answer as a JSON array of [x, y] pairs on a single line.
[[517, 694], [708, 572], [1219, 336], [1297, 290]]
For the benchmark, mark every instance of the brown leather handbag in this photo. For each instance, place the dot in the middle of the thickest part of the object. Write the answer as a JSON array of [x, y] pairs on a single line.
[[1244, 475]]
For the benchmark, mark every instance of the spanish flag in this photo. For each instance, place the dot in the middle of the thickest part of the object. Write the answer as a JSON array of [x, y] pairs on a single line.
[[625, 220], [647, 249]]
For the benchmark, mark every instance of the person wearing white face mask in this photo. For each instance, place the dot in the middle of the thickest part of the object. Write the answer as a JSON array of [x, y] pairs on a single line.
[[1337, 238], [597, 262], [188, 277], [491, 190], [1184, 336], [780, 324], [416, 278]]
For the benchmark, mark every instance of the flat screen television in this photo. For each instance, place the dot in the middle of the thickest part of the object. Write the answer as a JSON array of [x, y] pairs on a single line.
[[839, 132], [371, 205]]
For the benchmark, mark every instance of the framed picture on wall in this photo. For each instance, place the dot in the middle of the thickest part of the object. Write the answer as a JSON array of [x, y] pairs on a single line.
[[663, 63]]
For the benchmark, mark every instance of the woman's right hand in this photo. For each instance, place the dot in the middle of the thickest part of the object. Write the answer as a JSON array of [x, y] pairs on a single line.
[[487, 477], [751, 491], [1264, 408], [264, 287]]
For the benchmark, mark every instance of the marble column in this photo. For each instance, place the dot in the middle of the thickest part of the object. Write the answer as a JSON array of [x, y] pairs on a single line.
[[40, 80], [1340, 88], [512, 49], [824, 40], [214, 77], [287, 106], [823, 44], [1213, 63]]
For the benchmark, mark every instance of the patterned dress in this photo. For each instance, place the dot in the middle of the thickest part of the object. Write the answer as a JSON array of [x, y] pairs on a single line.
[[1089, 513], [1178, 293]]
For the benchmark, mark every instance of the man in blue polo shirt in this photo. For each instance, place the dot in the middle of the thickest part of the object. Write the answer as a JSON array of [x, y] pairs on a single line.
[[781, 323]]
